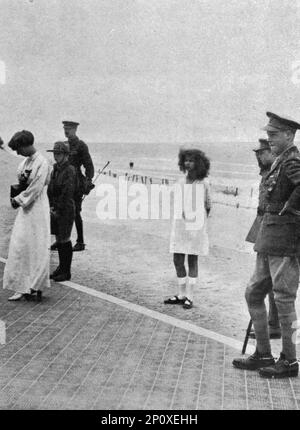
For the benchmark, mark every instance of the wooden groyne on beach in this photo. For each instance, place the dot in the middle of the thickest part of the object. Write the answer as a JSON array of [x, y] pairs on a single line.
[[228, 195]]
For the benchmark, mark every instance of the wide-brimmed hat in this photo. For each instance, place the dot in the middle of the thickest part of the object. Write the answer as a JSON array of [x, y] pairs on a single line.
[[60, 147]]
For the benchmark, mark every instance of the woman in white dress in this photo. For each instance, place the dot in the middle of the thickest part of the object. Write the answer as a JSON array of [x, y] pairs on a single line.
[[189, 230], [27, 268]]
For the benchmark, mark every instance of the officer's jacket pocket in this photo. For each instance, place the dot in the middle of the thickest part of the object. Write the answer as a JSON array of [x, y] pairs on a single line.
[[271, 219], [278, 235]]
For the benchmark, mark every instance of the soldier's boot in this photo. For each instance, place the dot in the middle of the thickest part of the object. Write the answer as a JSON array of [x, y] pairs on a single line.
[[58, 269], [80, 245], [254, 361], [281, 369], [55, 272], [69, 258], [65, 260]]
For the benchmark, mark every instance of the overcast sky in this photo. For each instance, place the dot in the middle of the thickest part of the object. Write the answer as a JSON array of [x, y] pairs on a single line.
[[148, 70]]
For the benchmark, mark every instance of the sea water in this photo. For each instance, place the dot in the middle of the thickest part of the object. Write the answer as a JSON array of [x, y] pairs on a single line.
[[227, 158]]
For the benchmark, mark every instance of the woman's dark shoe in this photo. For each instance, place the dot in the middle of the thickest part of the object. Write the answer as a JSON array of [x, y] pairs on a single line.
[[175, 300], [38, 294], [188, 304], [29, 296]]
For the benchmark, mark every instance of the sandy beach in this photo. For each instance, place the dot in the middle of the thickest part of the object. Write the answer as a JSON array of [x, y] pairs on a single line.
[[106, 340], [130, 259]]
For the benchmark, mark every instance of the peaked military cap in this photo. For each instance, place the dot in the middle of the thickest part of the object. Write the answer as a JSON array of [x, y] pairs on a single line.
[[60, 147], [277, 123], [263, 145], [70, 123]]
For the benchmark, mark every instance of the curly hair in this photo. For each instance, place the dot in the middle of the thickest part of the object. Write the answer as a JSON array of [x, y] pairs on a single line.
[[202, 163], [21, 138]]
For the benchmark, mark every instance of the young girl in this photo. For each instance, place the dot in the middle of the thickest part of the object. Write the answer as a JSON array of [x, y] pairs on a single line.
[[186, 238], [62, 207]]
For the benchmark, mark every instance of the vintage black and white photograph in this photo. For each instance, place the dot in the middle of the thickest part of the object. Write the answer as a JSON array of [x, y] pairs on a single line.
[[150, 207]]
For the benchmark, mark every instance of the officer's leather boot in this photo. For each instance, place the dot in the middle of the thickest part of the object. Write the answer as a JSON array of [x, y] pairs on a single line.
[[254, 361], [281, 369]]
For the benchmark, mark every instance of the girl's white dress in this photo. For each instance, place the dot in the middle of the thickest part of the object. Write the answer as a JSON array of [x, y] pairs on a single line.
[[28, 259], [189, 234]]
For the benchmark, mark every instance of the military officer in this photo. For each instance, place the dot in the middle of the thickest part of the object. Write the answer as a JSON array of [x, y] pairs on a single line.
[[79, 156], [265, 158], [278, 250]]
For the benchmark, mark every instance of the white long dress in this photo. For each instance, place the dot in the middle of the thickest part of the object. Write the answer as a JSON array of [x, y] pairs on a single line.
[[187, 235], [28, 259]]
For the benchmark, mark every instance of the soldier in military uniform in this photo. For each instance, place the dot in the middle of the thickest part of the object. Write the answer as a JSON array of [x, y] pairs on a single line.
[[265, 158], [79, 156], [278, 250]]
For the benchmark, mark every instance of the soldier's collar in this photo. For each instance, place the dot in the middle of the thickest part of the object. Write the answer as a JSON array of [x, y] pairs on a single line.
[[286, 152], [283, 155]]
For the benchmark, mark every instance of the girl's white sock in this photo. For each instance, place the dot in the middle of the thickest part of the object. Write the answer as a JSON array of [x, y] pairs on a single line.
[[182, 287], [190, 288]]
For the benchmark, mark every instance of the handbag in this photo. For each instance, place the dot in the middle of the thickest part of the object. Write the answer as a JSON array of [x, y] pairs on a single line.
[[16, 189]]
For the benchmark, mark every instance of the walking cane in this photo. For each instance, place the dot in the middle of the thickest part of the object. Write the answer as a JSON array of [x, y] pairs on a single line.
[[98, 174], [247, 336]]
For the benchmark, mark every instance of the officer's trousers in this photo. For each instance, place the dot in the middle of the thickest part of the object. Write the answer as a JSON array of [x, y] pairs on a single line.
[[273, 313], [281, 273]]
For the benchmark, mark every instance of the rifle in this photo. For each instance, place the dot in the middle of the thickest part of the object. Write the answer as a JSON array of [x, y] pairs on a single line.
[[98, 174], [247, 336]]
